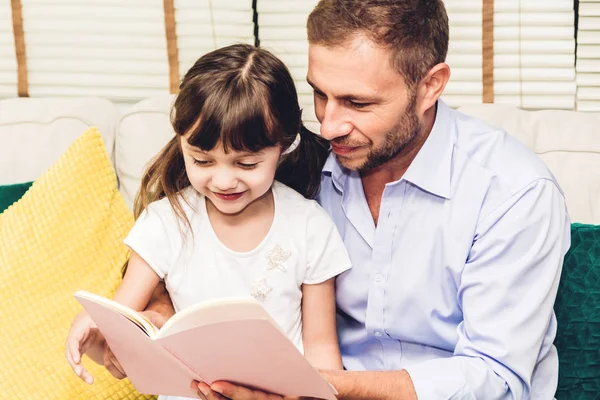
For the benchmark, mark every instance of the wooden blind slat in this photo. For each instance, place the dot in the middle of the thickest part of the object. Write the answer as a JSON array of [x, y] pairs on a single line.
[[488, 50], [172, 51], [19, 36]]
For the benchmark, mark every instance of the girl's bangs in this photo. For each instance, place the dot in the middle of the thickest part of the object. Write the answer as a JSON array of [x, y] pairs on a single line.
[[237, 119]]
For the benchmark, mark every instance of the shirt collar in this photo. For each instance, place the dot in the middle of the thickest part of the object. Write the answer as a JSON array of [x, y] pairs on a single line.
[[432, 167], [431, 170]]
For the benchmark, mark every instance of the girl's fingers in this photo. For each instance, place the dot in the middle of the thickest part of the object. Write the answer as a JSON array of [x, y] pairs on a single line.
[[86, 376]]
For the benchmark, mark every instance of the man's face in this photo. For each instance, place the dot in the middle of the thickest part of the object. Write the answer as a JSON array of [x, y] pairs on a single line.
[[365, 108]]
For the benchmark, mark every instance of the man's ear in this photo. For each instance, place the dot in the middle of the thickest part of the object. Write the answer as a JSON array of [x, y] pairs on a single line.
[[432, 86]]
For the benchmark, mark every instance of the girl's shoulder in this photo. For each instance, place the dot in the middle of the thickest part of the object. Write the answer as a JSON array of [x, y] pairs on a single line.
[[288, 196], [293, 204]]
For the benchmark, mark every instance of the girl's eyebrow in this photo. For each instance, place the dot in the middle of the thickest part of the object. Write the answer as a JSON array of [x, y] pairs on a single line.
[[242, 153]]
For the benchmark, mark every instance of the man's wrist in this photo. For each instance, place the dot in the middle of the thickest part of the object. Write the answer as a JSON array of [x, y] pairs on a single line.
[[370, 385]]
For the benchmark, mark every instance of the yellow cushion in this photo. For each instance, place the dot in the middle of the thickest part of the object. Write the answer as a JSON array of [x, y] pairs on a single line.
[[63, 235]]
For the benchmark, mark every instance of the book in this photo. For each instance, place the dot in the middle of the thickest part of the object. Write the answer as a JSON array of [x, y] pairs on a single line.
[[232, 340]]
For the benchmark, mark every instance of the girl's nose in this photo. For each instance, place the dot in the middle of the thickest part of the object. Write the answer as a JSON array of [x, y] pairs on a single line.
[[224, 180]]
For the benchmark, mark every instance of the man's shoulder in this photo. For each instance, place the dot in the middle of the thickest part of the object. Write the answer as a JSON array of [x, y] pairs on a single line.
[[500, 155]]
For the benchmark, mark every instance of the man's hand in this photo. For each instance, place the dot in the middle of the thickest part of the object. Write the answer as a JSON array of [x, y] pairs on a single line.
[[225, 390]]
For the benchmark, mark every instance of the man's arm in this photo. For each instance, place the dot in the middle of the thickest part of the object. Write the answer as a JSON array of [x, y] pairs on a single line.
[[160, 305], [351, 385], [507, 292], [375, 385]]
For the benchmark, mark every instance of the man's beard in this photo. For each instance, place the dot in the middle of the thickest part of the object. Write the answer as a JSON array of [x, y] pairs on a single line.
[[396, 140]]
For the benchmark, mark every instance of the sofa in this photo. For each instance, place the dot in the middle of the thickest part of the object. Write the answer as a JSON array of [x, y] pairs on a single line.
[[34, 132]]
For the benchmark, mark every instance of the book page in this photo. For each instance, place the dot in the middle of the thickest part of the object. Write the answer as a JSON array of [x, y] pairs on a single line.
[[138, 319], [216, 311]]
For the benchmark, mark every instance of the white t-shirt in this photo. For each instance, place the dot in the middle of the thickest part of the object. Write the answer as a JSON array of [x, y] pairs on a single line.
[[303, 246]]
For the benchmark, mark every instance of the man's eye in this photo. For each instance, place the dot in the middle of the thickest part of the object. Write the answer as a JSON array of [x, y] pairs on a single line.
[[248, 165], [359, 105], [200, 162], [319, 94]]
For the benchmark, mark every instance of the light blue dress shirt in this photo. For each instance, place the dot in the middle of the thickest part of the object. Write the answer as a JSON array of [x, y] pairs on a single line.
[[456, 283]]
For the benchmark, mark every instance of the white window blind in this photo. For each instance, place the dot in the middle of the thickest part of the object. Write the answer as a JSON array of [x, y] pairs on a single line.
[[282, 30], [108, 48], [534, 53], [8, 60], [464, 53], [204, 25], [588, 56], [113, 48]]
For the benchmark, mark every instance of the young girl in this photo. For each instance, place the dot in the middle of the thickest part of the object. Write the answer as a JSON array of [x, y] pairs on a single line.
[[217, 216]]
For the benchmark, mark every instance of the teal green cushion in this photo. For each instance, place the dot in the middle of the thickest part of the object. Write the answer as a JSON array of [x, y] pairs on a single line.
[[9, 194], [578, 313]]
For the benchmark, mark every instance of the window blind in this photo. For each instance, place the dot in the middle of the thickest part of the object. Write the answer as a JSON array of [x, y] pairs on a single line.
[[116, 49], [588, 56], [204, 25], [465, 53], [534, 53], [107, 48], [8, 60], [282, 30]]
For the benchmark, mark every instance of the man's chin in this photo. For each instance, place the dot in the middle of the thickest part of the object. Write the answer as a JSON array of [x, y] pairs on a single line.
[[352, 163]]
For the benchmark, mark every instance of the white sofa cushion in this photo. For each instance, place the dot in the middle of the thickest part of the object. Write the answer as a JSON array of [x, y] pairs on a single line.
[[569, 144], [35, 132], [141, 133]]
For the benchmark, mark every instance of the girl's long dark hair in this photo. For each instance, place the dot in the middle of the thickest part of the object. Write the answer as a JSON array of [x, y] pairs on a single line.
[[243, 98]]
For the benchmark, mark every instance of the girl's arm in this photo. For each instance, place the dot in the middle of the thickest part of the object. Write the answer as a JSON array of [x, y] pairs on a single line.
[[319, 333], [135, 291], [138, 284]]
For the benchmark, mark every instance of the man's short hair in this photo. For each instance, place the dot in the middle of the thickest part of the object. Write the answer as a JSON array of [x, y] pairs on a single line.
[[416, 31]]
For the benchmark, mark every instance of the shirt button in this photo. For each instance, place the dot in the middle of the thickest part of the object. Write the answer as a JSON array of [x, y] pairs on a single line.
[[378, 333], [378, 278]]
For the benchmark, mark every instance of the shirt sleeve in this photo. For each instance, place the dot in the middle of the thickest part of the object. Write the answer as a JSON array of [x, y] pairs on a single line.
[[327, 255], [507, 294], [152, 237]]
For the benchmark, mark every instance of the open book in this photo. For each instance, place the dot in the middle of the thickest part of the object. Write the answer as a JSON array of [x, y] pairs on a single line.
[[233, 340]]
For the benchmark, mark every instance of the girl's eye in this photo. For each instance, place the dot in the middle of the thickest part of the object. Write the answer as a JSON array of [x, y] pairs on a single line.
[[248, 165], [201, 162]]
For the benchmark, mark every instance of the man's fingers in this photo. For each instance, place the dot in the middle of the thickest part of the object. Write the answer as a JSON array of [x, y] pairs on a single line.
[[241, 393], [114, 361], [114, 371], [112, 364], [205, 392]]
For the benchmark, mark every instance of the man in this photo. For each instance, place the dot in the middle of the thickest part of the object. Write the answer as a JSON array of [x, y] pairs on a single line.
[[456, 231]]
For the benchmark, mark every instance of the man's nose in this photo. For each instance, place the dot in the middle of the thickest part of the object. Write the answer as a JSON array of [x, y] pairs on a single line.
[[334, 123], [224, 179]]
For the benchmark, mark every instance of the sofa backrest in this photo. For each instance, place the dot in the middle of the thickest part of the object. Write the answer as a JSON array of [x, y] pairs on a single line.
[[567, 141], [35, 132], [141, 133]]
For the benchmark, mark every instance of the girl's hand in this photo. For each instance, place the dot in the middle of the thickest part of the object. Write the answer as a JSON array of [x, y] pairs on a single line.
[[83, 335]]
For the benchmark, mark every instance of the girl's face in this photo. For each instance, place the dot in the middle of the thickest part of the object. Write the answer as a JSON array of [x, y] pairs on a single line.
[[231, 181]]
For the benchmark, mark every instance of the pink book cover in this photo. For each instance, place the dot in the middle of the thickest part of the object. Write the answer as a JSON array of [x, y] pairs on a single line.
[[232, 340]]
